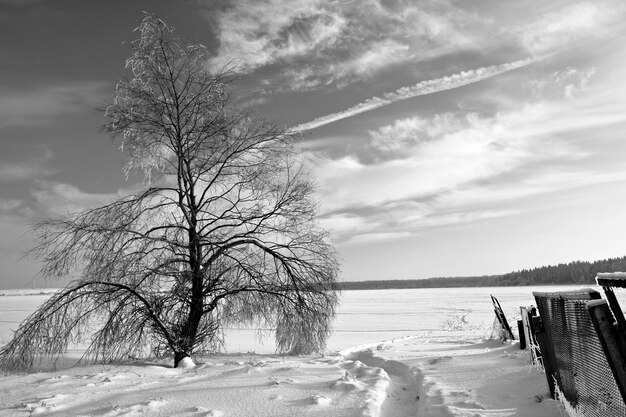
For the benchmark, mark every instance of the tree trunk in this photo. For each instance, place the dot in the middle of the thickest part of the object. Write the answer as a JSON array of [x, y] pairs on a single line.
[[196, 305]]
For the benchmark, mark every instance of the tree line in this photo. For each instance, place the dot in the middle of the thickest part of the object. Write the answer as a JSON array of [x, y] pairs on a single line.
[[577, 272]]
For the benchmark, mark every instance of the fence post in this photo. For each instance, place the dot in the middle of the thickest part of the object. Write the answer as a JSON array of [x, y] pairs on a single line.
[[527, 314], [522, 336], [610, 340], [614, 304], [547, 353]]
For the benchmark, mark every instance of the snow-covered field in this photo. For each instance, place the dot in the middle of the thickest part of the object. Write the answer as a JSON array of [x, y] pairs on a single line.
[[394, 353]]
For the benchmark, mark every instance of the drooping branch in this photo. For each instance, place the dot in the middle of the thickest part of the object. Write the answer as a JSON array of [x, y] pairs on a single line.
[[125, 320]]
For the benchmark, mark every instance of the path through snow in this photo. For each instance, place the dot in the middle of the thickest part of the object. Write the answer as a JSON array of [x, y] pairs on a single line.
[[408, 377]]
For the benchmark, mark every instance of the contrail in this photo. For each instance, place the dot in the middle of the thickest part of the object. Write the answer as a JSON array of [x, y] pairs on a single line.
[[422, 88]]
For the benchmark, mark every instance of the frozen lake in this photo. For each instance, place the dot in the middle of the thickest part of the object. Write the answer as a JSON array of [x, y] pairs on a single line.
[[426, 358], [364, 317]]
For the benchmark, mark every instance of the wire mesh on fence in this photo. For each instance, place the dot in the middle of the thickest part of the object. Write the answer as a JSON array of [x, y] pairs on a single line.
[[575, 359]]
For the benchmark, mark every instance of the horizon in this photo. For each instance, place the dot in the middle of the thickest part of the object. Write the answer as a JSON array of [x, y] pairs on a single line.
[[447, 139], [375, 279]]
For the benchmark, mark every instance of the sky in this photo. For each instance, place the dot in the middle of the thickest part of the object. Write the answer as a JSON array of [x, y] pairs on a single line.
[[447, 137]]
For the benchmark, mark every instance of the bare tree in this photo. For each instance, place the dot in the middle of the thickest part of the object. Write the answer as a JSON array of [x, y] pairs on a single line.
[[224, 231]]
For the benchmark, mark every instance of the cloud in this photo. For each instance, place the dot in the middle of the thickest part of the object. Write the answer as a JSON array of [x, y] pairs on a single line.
[[10, 172], [435, 85], [28, 169], [9, 205], [479, 148], [467, 205], [54, 197], [40, 106], [403, 219], [562, 84], [544, 182], [305, 45], [314, 43], [258, 33], [380, 55], [405, 134], [460, 167], [571, 24], [377, 237]]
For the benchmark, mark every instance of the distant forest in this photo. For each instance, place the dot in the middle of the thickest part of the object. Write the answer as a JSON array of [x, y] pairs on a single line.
[[572, 273]]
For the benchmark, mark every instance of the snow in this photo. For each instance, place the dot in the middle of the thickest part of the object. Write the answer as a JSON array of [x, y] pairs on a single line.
[[484, 378], [395, 353], [186, 363]]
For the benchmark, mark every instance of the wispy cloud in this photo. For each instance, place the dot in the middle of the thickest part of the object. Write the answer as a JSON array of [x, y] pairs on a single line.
[[464, 167], [377, 237], [405, 219], [54, 197], [468, 205], [565, 83], [304, 45], [313, 44], [36, 166], [401, 137], [258, 33], [379, 55], [39, 106], [436, 85], [480, 148], [10, 172], [568, 25], [9, 205]]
